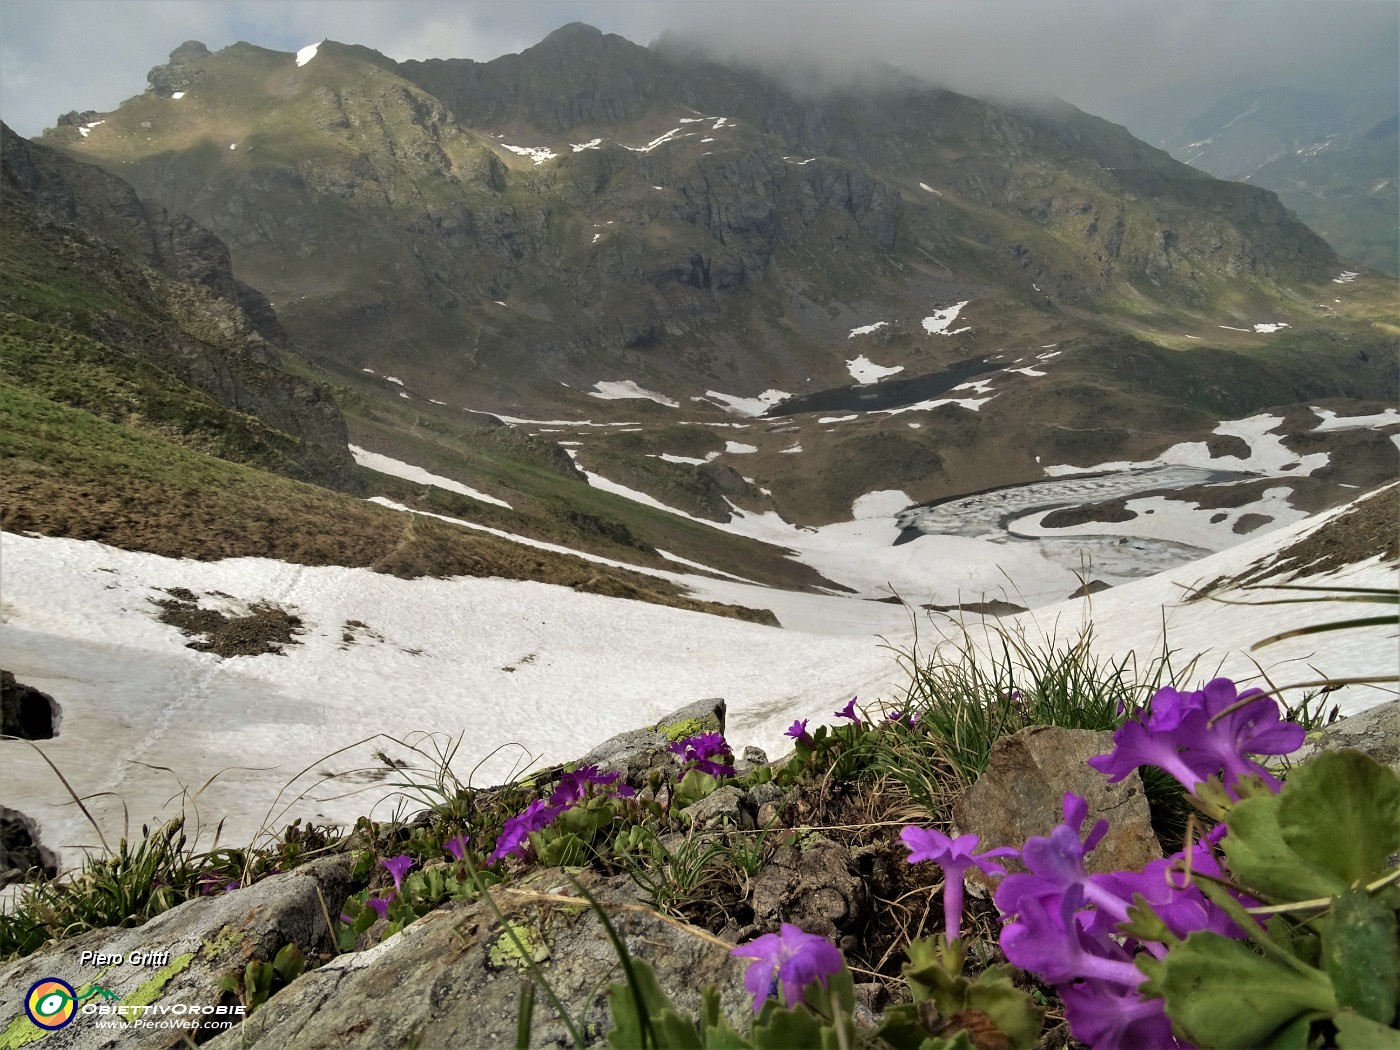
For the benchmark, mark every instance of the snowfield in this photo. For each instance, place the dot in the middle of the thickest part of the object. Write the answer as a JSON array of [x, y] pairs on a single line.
[[524, 673]]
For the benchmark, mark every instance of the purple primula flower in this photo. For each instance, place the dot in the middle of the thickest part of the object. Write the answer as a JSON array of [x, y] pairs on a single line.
[[1110, 1017], [905, 718], [457, 846], [381, 905], [1048, 938], [954, 856], [708, 752], [1054, 863], [398, 868], [574, 784], [849, 711], [798, 731], [515, 833], [1197, 735], [791, 959]]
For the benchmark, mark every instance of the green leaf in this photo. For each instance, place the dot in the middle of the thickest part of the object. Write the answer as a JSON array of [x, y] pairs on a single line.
[[1355, 1032], [1224, 995], [784, 1029], [289, 963], [1264, 863], [1010, 1009], [1341, 812], [1362, 955]]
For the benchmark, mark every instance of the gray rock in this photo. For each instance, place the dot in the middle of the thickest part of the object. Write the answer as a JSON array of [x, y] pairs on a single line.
[[723, 807], [1022, 794], [810, 884], [24, 711], [1376, 731], [180, 958], [636, 753], [23, 857], [453, 978]]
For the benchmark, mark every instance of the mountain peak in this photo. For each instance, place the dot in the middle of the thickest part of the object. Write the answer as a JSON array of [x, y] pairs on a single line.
[[574, 33]]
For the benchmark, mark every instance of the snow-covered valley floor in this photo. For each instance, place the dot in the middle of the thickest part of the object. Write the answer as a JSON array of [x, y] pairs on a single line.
[[519, 673]]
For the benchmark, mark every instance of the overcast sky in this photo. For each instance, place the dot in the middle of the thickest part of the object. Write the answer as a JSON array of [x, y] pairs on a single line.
[[1133, 61]]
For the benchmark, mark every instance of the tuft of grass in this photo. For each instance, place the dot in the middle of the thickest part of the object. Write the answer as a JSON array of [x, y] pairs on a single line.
[[968, 691]]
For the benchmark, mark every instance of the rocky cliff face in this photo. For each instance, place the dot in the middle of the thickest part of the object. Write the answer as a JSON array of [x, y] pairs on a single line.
[[158, 289], [649, 209]]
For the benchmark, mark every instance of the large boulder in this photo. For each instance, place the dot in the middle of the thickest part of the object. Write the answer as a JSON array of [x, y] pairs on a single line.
[[1022, 794], [453, 978], [169, 969]]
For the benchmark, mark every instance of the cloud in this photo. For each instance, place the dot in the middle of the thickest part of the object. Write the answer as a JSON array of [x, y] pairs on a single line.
[[1128, 60]]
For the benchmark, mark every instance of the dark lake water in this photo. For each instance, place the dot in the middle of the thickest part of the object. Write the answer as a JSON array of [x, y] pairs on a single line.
[[889, 393]]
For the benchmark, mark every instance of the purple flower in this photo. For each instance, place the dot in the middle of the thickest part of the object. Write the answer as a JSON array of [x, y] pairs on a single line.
[[398, 868], [905, 718], [1196, 735], [849, 711], [791, 959], [457, 846], [1048, 939], [798, 731], [573, 785], [1109, 1017], [381, 905], [515, 833], [954, 856], [1056, 862], [708, 752]]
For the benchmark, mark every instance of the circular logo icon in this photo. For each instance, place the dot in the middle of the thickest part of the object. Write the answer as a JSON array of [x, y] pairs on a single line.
[[51, 1003]]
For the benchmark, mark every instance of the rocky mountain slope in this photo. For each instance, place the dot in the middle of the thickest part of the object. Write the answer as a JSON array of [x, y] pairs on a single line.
[[729, 300], [1330, 156]]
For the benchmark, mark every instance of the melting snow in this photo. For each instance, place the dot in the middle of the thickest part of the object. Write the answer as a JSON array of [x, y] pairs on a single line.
[[929, 189], [866, 329], [233, 145], [1027, 371], [627, 388], [789, 451], [385, 465], [85, 129], [864, 371], [306, 54], [738, 448], [1267, 453], [673, 133], [579, 147], [721, 123], [177, 95], [1345, 277], [688, 460], [941, 319], [450, 654], [393, 379], [839, 419], [1331, 421], [749, 406], [539, 154], [1270, 328]]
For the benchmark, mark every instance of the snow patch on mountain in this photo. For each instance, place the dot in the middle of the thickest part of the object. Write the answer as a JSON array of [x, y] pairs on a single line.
[[610, 390], [307, 53], [864, 371], [939, 322], [396, 468], [748, 406]]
